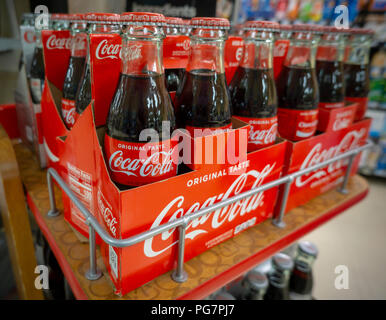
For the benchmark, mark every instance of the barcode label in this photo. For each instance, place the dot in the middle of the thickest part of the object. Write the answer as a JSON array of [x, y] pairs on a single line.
[[113, 260]]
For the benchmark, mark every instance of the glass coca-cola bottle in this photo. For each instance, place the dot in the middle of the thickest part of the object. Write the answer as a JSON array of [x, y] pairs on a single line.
[[96, 23], [202, 100], [278, 277], [75, 68], [36, 74], [297, 86], [252, 89], [301, 281], [173, 76], [141, 109], [255, 285], [329, 68], [356, 68], [280, 48]]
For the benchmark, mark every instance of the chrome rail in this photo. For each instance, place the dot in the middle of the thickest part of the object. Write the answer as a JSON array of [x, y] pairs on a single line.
[[179, 275]]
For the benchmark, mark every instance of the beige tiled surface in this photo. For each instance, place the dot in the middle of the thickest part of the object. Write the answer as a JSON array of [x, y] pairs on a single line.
[[356, 239]]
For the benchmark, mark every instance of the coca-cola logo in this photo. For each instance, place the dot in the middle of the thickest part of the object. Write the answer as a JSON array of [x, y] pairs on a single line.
[[58, 43], [69, 116], [80, 43], [318, 154], [239, 54], [107, 214], [106, 50], [159, 163], [133, 52], [341, 124], [29, 36], [265, 136], [214, 220], [280, 49], [186, 44]]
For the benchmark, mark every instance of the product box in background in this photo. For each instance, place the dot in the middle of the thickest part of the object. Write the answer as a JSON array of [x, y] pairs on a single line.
[[334, 119], [29, 113], [303, 154], [56, 49]]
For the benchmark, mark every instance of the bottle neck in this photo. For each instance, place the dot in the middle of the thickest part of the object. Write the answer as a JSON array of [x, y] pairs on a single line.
[[279, 278], [103, 28], [357, 50], [302, 51], [304, 262], [331, 48], [257, 54], [38, 41], [142, 51], [172, 31], [207, 50]]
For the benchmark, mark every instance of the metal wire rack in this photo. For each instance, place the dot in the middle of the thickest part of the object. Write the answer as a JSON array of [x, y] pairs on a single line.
[[179, 275]]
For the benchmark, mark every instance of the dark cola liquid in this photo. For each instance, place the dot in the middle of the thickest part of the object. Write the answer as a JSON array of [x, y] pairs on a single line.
[[140, 102], [277, 293], [203, 100], [297, 88], [73, 76], [173, 78], [37, 64], [357, 80], [331, 80], [301, 282], [253, 93], [83, 95]]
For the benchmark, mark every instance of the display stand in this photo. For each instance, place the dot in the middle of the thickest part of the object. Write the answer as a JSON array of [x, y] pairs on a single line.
[[206, 272]]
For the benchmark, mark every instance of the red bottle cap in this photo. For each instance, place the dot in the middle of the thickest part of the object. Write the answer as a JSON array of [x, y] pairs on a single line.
[[307, 28], [360, 31], [75, 16], [174, 21], [143, 18], [285, 27], [220, 23], [262, 25], [60, 16], [101, 17]]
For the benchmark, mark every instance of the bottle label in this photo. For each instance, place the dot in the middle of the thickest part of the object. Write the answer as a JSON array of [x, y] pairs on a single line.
[[361, 108], [68, 112], [36, 89], [331, 105], [263, 132], [197, 132], [79, 45], [297, 124], [139, 163]]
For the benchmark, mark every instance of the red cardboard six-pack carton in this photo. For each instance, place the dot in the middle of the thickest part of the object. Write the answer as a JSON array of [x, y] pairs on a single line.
[[80, 160], [125, 213], [321, 147]]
